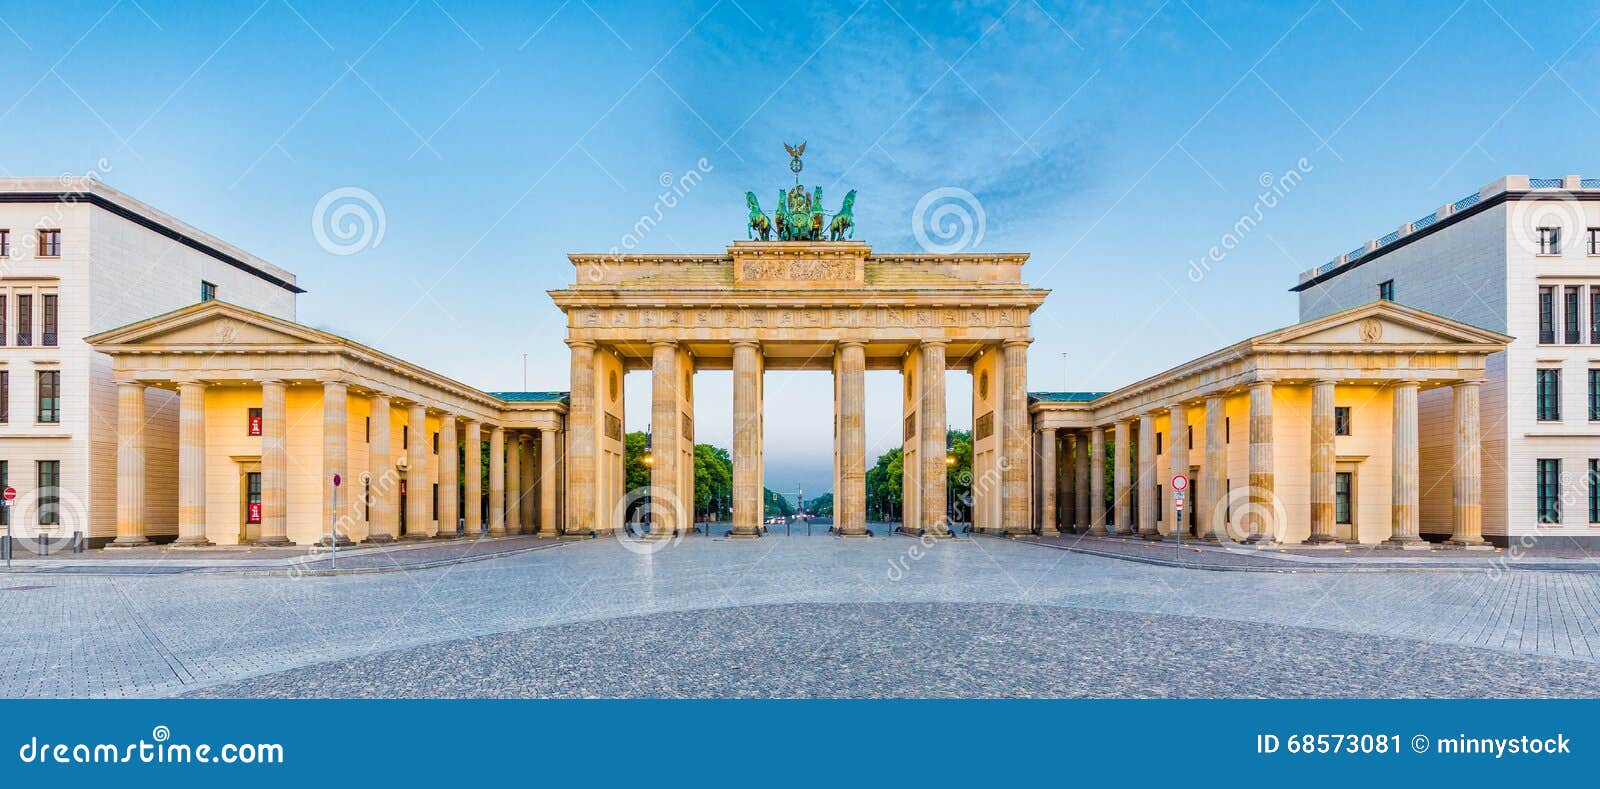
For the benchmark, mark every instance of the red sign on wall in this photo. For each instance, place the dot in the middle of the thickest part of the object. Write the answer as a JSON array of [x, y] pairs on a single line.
[[255, 425], [402, 487], [253, 512]]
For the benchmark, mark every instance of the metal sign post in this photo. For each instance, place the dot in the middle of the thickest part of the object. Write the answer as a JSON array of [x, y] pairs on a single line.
[[333, 536], [1180, 483], [10, 499]]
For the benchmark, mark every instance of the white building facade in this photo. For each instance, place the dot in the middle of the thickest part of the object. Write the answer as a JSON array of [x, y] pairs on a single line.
[[1520, 257], [78, 258]]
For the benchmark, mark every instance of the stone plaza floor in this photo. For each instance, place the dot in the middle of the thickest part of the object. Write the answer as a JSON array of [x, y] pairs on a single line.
[[804, 616]]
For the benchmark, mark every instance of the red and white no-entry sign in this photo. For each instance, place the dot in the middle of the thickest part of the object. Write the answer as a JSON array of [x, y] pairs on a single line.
[[11, 494], [1180, 482]]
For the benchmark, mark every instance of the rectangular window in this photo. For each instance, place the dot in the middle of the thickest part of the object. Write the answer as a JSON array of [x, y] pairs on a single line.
[[49, 396], [1227, 430], [1191, 436], [252, 422], [1160, 508], [24, 319], [3, 299], [1341, 420], [1386, 290], [1594, 395], [405, 436], [435, 501], [1549, 240], [252, 497], [5, 396], [1594, 314], [1594, 240], [1547, 395], [1594, 489], [1341, 498], [435, 442], [49, 493], [1549, 490], [1547, 314], [5, 243], [50, 317], [1570, 316], [1158, 443], [49, 243], [369, 430], [208, 291]]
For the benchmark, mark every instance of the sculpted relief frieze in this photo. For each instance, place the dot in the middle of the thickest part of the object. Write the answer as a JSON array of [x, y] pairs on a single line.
[[798, 270], [875, 317]]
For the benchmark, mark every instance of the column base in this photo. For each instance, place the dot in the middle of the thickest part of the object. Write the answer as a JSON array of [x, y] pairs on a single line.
[[1208, 538], [271, 542], [1120, 533], [1259, 540], [1049, 533], [493, 532], [129, 542], [421, 535], [549, 534], [1468, 544], [379, 538], [1153, 535], [1177, 537], [1407, 544], [343, 542], [1321, 539], [1098, 531], [191, 542], [448, 535]]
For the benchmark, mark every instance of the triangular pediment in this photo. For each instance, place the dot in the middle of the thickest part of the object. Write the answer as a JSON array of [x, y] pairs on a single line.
[[212, 323], [1381, 323]]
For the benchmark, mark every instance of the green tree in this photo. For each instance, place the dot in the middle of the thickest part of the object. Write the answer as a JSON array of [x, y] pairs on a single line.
[[713, 478], [960, 448], [884, 482], [776, 504], [821, 505]]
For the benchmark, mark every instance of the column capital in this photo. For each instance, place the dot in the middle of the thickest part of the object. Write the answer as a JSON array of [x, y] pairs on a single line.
[[938, 341], [584, 344], [664, 343], [1258, 384], [756, 344], [1466, 384], [1016, 342], [851, 344]]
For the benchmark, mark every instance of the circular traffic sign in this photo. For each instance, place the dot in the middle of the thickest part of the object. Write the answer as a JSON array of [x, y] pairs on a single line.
[[1179, 482], [11, 494], [336, 480]]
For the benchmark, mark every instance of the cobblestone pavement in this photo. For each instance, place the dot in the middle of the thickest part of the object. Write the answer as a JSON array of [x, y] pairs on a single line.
[[936, 649], [166, 560], [76, 635], [1347, 558]]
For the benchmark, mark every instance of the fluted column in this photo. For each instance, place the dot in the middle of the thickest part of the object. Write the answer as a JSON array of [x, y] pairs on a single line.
[[274, 464], [935, 474], [1068, 492], [1014, 411], [1262, 512], [382, 484], [747, 495], [513, 482], [1467, 478], [1177, 463], [497, 481], [1047, 484], [419, 485], [449, 477], [336, 460], [548, 441], [1405, 526], [1211, 511], [1080, 480], [530, 494], [853, 440], [1322, 463], [580, 473], [664, 420], [1122, 477], [192, 464], [1147, 477], [472, 478], [1097, 481], [130, 465]]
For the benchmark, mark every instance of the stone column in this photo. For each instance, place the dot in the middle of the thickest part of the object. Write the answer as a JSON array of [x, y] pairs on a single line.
[[1211, 512], [336, 460], [1467, 479], [419, 487], [130, 465], [382, 485], [581, 442], [1047, 484], [1122, 477], [664, 501], [449, 476], [192, 464], [1263, 507], [1147, 477], [1405, 526], [1068, 493], [1177, 463], [472, 478], [548, 440], [529, 486], [1322, 462], [1080, 480], [935, 474], [853, 440], [1097, 481], [747, 495], [497, 481], [513, 483], [274, 464], [1014, 410]]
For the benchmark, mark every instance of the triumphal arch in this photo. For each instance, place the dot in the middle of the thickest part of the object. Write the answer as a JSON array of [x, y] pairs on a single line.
[[798, 305]]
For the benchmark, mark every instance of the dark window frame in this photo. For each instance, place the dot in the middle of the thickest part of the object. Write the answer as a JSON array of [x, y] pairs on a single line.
[[49, 242], [24, 320], [1594, 490], [5, 396], [49, 393], [208, 291], [1158, 442], [252, 495], [1549, 240], [1547, 394], [1341, 420], [1547, 314], [5, 242], [49, 481], [49, 320], [1594, 240], [1386, 290], [1571, 312], [1547, 484], [1594, 394], [1344, 498]]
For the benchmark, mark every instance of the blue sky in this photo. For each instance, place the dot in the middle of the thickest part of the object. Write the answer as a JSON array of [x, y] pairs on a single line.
[[1113, 142]]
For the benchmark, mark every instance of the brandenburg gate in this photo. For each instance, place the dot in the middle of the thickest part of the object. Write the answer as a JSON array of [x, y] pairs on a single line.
[[805, 304]]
